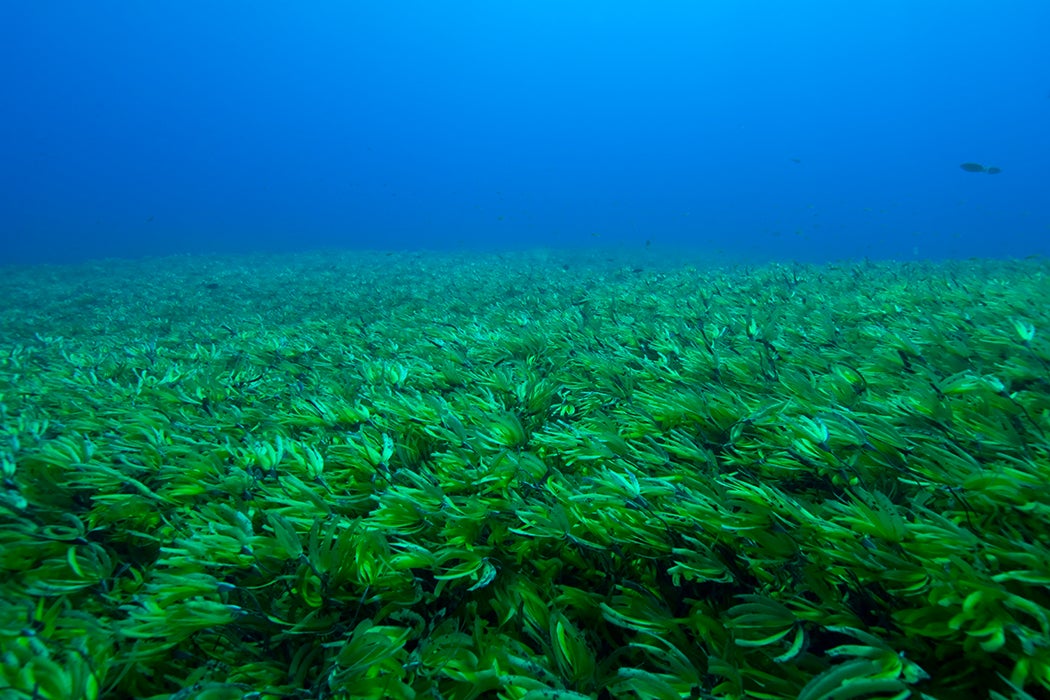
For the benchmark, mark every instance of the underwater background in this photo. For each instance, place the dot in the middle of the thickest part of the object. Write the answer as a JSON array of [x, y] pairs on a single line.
[[809, 131], [524, 351]]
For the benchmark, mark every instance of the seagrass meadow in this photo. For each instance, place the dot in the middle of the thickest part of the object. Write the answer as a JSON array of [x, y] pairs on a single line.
[[536, 476]]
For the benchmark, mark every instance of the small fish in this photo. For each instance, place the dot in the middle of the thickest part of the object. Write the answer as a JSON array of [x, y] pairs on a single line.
[[972, 167], [993, 171]]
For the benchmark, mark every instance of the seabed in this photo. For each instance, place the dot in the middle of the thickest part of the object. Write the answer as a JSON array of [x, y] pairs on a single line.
[[529, 476]]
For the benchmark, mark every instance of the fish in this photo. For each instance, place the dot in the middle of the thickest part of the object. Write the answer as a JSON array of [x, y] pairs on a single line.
[[972, 167]]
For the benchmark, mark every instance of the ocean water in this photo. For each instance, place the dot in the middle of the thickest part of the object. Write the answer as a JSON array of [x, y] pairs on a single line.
[[807, 131], [524, 351]]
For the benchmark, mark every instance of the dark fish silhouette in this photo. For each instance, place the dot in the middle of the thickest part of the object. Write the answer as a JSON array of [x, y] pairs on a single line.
[[978, 168]]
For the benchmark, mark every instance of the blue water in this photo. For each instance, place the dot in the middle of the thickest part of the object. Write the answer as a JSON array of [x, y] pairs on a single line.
[[787, 130]]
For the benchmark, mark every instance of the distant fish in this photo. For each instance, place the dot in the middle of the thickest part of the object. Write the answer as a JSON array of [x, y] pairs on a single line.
[[978, 168]]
